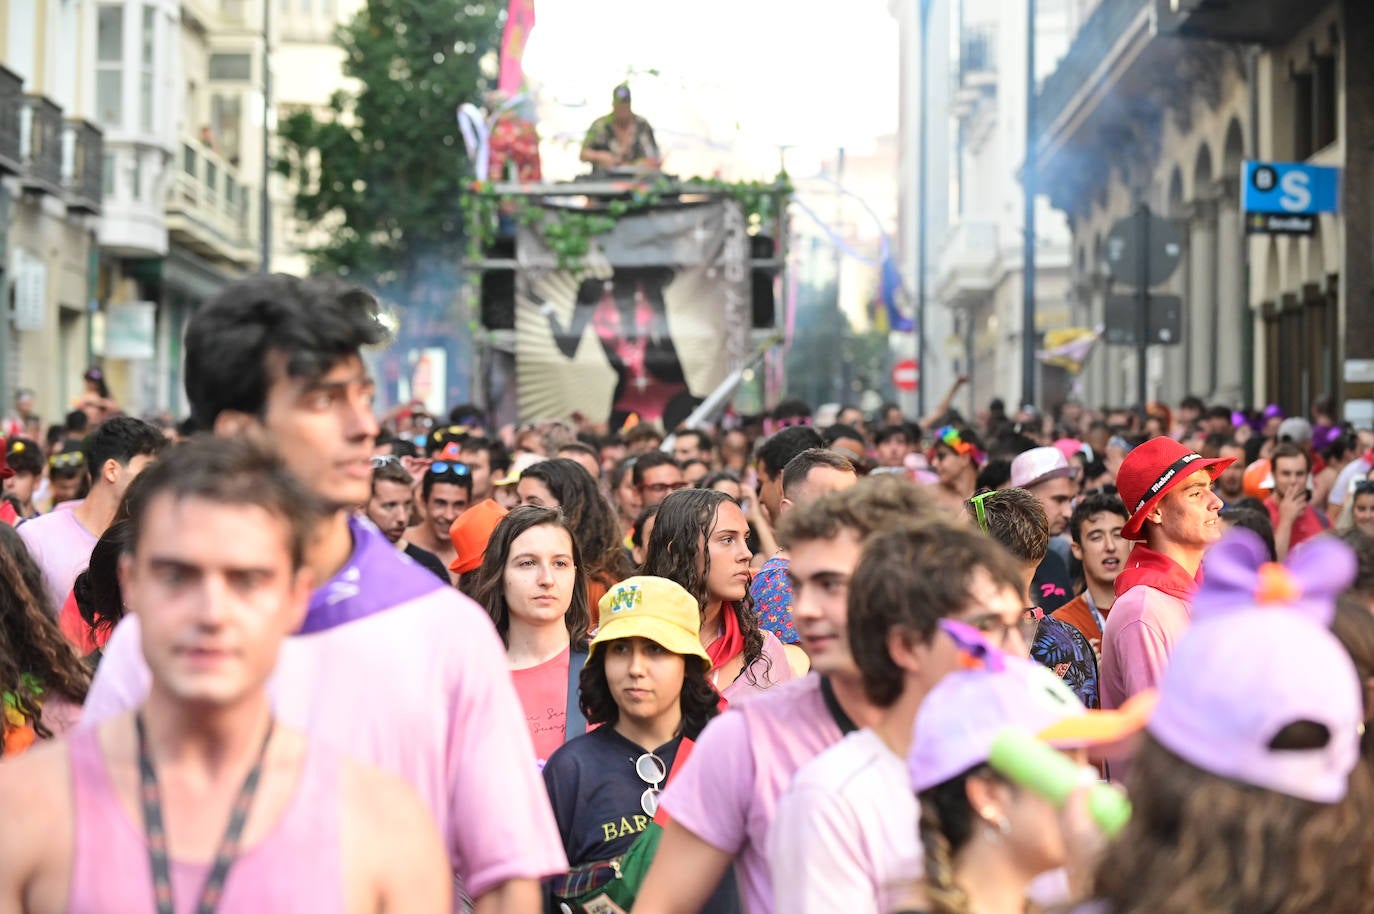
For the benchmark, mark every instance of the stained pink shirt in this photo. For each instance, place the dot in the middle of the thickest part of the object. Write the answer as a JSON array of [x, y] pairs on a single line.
[[421, 690], [298, 866], [728, 790]]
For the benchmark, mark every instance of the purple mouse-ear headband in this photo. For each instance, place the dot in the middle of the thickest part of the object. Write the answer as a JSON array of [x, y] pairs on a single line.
[[1238, 575]]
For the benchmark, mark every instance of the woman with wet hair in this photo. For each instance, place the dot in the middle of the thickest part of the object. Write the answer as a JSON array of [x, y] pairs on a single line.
[[698, 540]]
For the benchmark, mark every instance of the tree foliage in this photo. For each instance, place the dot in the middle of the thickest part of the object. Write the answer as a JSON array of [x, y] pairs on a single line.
[[382, 171]]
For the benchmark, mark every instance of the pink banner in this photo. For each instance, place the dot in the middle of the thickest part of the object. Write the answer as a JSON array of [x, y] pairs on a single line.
[[519, 22]]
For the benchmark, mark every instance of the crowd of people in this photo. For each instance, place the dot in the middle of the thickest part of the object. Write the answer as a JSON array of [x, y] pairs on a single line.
[[292, 654]]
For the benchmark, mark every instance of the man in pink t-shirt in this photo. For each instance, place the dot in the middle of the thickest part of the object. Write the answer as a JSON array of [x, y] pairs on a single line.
[[721, 803], [114, 453], [845, 834], [214, 573], [1168, 490], [391, 666]]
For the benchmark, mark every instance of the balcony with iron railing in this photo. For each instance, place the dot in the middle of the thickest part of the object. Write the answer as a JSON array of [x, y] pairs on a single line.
[[83, 152], [40, 144], [210, 210], [11, 97]]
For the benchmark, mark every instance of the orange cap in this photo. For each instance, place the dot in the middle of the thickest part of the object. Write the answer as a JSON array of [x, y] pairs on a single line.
[[1259, 480], [471, 532]]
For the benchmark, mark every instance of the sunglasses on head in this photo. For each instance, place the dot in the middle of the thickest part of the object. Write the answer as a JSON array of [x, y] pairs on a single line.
[[67, 461], [1108, 489], [382, 460], [445, 468], [1364, 487]]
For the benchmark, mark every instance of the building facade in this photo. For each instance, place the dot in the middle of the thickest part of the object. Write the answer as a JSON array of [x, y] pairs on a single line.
[[51, 175], [1159, 103], [980, 272]]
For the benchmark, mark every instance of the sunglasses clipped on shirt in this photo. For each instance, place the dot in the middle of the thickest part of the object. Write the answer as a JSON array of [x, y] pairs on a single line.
[[653, 772]]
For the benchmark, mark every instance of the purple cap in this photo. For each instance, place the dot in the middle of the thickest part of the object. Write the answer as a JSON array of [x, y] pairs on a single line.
[[1226, 695], [962, 715]]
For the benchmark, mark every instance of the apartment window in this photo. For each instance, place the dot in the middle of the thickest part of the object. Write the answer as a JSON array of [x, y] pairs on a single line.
[[145, 75], [1314, 107], [109, 75], [225, 116], [107, 176], [1323, 101], [236, 67], [138, 179]]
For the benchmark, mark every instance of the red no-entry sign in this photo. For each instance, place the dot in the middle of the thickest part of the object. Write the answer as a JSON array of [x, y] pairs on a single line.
[[906, 375]]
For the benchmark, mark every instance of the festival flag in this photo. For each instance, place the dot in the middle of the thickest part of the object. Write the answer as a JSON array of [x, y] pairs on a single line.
[[1068, 348], [519, 23]]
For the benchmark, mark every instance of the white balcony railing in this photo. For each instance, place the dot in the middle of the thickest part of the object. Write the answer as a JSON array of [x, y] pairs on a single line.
[[211, 205], [968, 263]]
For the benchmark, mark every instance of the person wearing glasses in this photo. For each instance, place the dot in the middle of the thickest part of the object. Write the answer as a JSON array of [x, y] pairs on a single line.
[[445, 493], [656, 475], [646, 685], [844, 837], [61, 541], [389, 509]]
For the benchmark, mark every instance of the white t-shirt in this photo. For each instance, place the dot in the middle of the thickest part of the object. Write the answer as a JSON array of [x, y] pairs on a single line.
[[1355, 469], [845, 837]]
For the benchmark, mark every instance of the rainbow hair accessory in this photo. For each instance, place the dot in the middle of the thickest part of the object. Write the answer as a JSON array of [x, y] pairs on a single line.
[[949, 436]]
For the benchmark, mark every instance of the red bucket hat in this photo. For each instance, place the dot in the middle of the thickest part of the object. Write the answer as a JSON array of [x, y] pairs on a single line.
[[1150, 471]]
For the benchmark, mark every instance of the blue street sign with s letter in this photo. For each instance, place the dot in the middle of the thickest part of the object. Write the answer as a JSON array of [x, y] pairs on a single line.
[[1283, 197]]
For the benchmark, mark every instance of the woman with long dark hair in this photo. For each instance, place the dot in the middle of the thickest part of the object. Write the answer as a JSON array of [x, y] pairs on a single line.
[[646, 684], [698, 540], [566, 484], [42, 680], [532, 584]]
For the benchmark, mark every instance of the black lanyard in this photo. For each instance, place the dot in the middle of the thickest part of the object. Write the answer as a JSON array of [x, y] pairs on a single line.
[[156, 831]]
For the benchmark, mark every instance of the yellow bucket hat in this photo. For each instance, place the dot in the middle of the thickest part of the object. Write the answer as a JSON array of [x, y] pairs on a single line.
[[654, 608]]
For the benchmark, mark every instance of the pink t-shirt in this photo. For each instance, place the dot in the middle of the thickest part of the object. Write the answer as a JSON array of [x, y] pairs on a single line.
[[846, 834], [298, 866], [61, 547], [769, 670], [727, 791], [422, 690], [1141, 632], [543, 694]]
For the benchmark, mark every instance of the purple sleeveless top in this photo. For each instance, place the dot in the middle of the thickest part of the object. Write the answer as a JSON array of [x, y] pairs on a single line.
[[297, 867]]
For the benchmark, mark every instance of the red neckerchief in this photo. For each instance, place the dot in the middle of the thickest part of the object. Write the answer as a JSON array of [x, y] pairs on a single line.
[[728, 646], [1154, 569]]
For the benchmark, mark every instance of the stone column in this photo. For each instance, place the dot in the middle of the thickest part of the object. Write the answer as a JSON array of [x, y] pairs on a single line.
[[1200, 308], [1232, 311], [1357, 203]]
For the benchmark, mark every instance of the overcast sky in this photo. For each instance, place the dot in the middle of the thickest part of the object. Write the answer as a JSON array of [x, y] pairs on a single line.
[[736, 78]]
